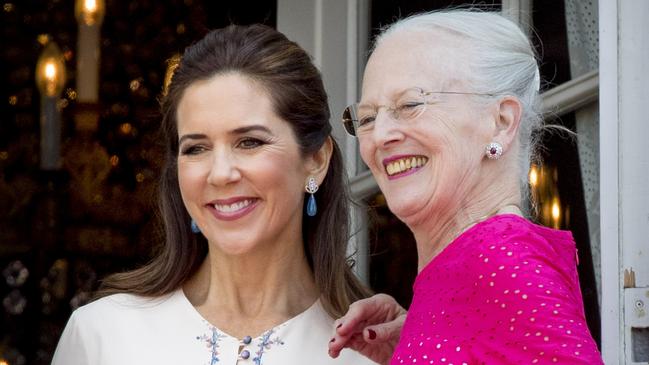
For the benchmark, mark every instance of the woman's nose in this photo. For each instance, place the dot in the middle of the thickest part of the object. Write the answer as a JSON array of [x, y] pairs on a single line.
[[387, 129], [224, 169]]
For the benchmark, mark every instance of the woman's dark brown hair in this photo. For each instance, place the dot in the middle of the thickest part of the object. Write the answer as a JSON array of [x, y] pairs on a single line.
[[295, 86]]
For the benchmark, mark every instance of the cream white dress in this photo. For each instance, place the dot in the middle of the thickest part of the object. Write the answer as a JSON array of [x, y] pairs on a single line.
[[127, 329]]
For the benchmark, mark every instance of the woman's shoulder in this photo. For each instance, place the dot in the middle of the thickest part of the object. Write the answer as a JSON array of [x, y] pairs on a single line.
[[522, 262], [121, 307], [508, 252], [510, 237], [124, 302]]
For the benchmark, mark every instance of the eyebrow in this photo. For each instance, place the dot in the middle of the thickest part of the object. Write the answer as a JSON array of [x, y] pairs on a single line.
[[240, 130], [250, 128]]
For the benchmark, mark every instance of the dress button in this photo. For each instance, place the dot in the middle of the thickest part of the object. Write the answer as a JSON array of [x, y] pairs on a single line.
[[247, 340], [245, 354]]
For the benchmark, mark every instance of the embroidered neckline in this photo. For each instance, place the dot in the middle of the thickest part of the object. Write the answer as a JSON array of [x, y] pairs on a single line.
[[265, 344], [180, 295], [212, 342]]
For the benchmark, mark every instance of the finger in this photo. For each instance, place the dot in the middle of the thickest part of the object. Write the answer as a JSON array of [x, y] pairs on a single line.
[[384, 332], [356, 317], [338, 343]]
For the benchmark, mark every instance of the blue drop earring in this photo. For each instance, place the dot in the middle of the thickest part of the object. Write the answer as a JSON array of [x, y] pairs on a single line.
[[195, 228], [311, 188]]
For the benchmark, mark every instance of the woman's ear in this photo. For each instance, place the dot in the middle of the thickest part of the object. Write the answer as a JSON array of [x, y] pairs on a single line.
[[318, 163], [508, 117]]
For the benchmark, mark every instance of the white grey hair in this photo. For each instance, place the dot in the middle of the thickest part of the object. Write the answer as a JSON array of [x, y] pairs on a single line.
[[503, 63]]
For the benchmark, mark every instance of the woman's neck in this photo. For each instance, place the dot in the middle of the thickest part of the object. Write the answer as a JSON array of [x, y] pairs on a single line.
[[436, 232], [248, 294]]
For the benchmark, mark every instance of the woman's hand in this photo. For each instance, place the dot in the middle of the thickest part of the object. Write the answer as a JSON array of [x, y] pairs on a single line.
[[371, 327]]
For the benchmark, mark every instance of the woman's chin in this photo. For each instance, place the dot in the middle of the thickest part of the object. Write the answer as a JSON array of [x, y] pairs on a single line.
[[405, 209], [233, 247]]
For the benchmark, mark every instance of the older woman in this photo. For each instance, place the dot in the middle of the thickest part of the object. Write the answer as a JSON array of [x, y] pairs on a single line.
[[253, 268], [449, 103]]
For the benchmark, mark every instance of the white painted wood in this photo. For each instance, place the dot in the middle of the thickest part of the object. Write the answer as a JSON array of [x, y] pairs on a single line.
[[609, 184], [634, 136], [633, 161]]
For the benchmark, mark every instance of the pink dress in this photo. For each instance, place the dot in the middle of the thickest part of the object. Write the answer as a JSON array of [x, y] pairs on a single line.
[[506, 291]]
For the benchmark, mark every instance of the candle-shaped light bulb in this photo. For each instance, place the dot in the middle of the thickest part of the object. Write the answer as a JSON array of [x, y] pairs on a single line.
[[534, 176], [50, 71], [50, 79], [90, 12], [90, 6], [555, 212]]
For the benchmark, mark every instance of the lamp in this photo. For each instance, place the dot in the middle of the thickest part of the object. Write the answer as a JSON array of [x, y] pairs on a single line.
[[50, 80]]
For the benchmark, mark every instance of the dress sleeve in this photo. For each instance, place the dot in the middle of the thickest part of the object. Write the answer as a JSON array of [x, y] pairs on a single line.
[[72, 347], [530, 294]]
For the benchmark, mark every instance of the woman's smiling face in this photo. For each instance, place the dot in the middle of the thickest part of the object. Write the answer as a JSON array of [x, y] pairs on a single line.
[[425, 164], [240, 170]]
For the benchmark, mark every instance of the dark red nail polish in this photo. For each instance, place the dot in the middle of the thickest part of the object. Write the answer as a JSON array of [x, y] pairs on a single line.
[[339, 325], [372, 334], [332, 340]]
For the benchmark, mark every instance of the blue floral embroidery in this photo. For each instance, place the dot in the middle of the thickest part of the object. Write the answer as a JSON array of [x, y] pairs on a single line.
[[266, 344], [212, 342]]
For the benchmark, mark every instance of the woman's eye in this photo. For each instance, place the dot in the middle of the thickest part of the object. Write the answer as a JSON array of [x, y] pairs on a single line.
[[250, 143], [364, 121], [409, 105], [192, 150]]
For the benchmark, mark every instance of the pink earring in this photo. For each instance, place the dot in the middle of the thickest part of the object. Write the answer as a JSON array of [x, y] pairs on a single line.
[[494, 150]]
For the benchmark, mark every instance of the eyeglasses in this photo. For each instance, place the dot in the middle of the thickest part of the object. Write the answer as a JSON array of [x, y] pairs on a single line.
[[359, 119]]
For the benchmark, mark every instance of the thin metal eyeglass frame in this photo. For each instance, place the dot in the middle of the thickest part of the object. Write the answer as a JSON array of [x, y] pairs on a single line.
[[350, 124]]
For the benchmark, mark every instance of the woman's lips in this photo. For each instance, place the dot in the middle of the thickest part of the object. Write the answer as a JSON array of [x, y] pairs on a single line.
[[232, 208], [403, 165]]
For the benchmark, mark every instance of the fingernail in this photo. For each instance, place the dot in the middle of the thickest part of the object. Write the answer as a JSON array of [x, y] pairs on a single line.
[[339, 325], [332, 339], [371, 334]]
